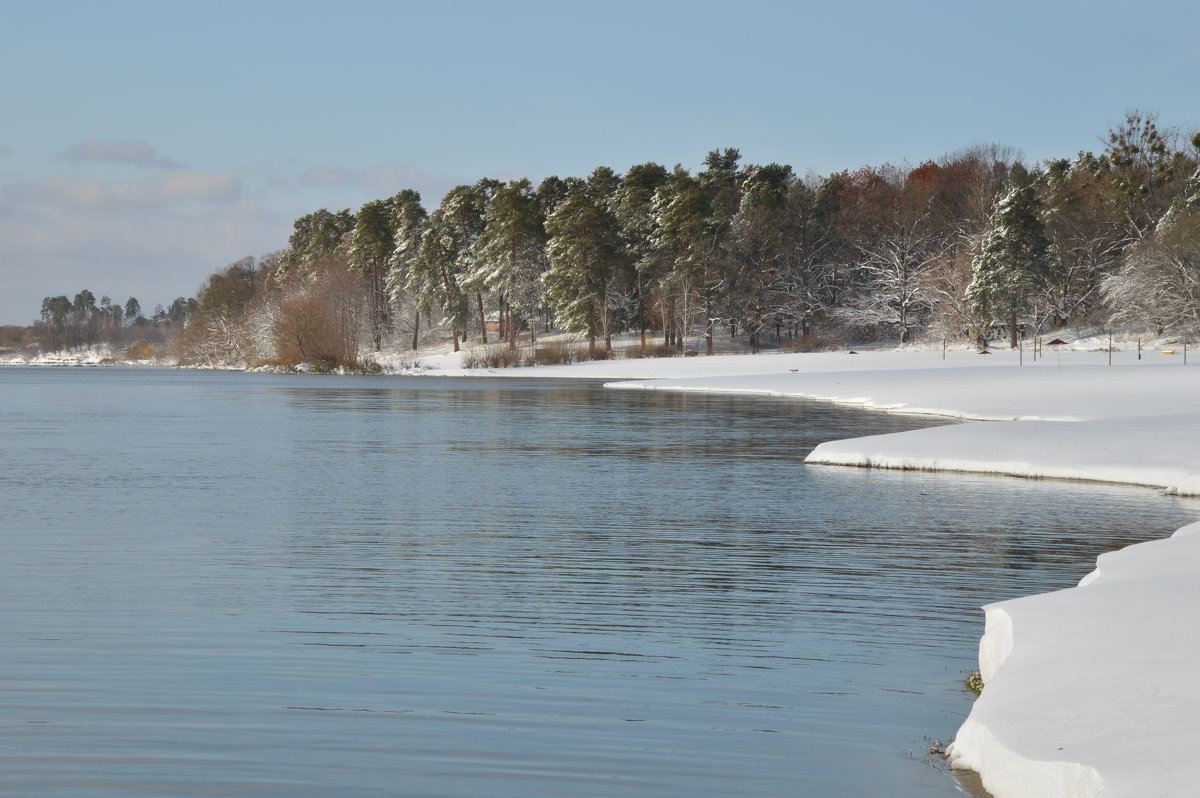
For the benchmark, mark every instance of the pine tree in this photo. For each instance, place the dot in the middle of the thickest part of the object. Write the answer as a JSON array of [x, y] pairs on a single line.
[[438, 265], [314, 236], [510, 253], [372, 243], [633, 204], [759, 247], [462, 217], [409, 221], [585, 254], [1013, 262]]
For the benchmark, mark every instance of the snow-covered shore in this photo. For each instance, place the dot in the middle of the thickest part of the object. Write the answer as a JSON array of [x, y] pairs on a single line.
[[1087, 690]]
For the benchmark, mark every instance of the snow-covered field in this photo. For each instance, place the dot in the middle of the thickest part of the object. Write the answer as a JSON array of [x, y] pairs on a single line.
[[1087, 689]]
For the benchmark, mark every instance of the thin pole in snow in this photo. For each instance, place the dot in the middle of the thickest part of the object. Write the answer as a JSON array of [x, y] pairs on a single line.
[[1110, 349]]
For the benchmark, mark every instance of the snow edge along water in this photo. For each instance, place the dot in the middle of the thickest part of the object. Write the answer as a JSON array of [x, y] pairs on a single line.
[[1052, 722]]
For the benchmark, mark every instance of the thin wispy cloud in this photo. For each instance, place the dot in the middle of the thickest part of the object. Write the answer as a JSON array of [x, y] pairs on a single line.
[[170, 189], [130, 153]]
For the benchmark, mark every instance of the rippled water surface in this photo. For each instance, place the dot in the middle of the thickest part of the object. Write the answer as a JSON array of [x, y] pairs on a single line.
[[258, 585]]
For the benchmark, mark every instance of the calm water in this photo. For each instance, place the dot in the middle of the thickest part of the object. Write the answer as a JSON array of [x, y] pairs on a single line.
[[257, 585]]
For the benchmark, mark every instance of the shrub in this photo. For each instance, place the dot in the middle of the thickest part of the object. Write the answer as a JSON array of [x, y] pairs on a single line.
[[555, 354], [141, 351], [499, 356], [810, 344], [654, 350]]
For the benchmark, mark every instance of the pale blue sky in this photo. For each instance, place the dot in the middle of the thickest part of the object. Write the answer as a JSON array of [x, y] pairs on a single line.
[[146, 144]]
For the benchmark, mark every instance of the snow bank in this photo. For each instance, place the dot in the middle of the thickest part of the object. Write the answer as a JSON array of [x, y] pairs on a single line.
[[1155, 451], [1088, 690], [1135, 424]]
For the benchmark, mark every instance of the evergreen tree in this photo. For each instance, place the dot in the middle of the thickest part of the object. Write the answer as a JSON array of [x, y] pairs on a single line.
[[404, 275], [585, 253], [694, 216], [438, 265], [371, 245], [314, 236], [550, 193], [510, 254], [462, 219], [634, 208], [760, 244], [1013, 262]]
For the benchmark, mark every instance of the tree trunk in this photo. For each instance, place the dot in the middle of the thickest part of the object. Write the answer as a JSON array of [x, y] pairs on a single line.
[[380, 315], [416, 329], [1012, 329], [641, 311], [482, 318], [708, 326]]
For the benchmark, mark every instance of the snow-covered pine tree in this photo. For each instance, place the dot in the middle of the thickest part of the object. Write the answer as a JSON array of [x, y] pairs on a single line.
[[1013, 262], [633, 206], [585, 253], [405, 275], [462, 218], [510, 254], [371, 244]]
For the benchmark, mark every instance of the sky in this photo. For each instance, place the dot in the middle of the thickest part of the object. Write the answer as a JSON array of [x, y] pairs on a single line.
[[145, 145]]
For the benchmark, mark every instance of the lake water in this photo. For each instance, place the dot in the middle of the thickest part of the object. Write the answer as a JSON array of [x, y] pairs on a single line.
[[261, 585]]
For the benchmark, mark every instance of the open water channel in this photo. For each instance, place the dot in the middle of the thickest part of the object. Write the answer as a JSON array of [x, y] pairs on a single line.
[[262, 585]]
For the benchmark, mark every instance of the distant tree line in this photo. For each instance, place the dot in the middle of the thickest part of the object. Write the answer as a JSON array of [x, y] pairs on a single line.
[[81, 322], [974, 245]]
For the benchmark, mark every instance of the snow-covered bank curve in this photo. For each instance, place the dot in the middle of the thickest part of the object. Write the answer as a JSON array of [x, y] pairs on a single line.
[[1088, 689], [1155, 451]]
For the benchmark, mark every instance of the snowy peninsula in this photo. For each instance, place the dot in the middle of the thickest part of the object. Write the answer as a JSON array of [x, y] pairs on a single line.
[[1086, 689]]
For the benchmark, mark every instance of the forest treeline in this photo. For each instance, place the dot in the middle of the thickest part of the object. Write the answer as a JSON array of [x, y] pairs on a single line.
[[80, 322], [973, 245]]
